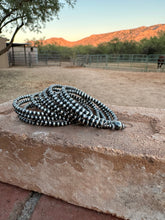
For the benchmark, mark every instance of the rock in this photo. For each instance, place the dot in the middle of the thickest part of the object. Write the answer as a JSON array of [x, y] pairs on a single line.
[[117, 172]]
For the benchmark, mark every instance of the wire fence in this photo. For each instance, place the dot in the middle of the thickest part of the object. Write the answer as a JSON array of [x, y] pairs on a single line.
[[46, 59], [134, 62], [30, 59]]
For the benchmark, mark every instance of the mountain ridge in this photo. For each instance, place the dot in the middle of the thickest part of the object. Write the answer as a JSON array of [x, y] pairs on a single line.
[[135, 34]]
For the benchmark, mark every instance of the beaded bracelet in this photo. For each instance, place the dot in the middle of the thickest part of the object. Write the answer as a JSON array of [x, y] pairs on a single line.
[[60, 105]]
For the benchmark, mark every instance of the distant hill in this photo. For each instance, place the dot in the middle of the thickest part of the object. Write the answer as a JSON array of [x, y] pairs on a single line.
[[135, 34]]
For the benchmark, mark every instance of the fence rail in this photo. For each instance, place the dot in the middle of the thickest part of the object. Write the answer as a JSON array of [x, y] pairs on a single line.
[[19, 58], [134, 62]]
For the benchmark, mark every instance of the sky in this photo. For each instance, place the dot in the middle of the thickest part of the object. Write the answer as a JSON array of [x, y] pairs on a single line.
[[99, 16]]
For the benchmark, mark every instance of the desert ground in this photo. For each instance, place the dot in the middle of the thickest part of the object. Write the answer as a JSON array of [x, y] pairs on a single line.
[[123, 88]]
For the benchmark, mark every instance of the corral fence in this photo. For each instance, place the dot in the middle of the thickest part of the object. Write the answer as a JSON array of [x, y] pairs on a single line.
[[30, 59], [134, 62]]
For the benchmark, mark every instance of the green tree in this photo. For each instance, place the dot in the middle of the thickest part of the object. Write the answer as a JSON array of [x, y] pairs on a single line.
[[36, 43], [154, 45], [129, 47], [149, 46], [52, 49], [28, 14], [161, 39], [83, 49], [102, 48]]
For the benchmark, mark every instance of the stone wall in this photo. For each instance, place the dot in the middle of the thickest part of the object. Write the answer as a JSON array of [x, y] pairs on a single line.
[[3, 58], [117, 172]]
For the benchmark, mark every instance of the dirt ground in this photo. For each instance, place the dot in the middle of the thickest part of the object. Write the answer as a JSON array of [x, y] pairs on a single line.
[[145, 89]]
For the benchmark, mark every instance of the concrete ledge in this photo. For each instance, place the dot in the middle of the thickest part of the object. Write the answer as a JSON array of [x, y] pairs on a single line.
[[118, 172]]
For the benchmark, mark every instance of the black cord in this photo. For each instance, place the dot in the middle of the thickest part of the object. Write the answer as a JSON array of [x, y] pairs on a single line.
[[60, 105]]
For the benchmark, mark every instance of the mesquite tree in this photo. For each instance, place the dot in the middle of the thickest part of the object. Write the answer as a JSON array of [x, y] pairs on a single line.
[[27, 14]]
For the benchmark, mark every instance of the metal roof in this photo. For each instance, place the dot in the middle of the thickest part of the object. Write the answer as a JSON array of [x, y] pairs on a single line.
[[19, 44]]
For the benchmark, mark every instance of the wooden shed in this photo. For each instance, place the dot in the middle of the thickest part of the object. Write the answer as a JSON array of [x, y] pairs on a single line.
[[22, 54], [4, 63]]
